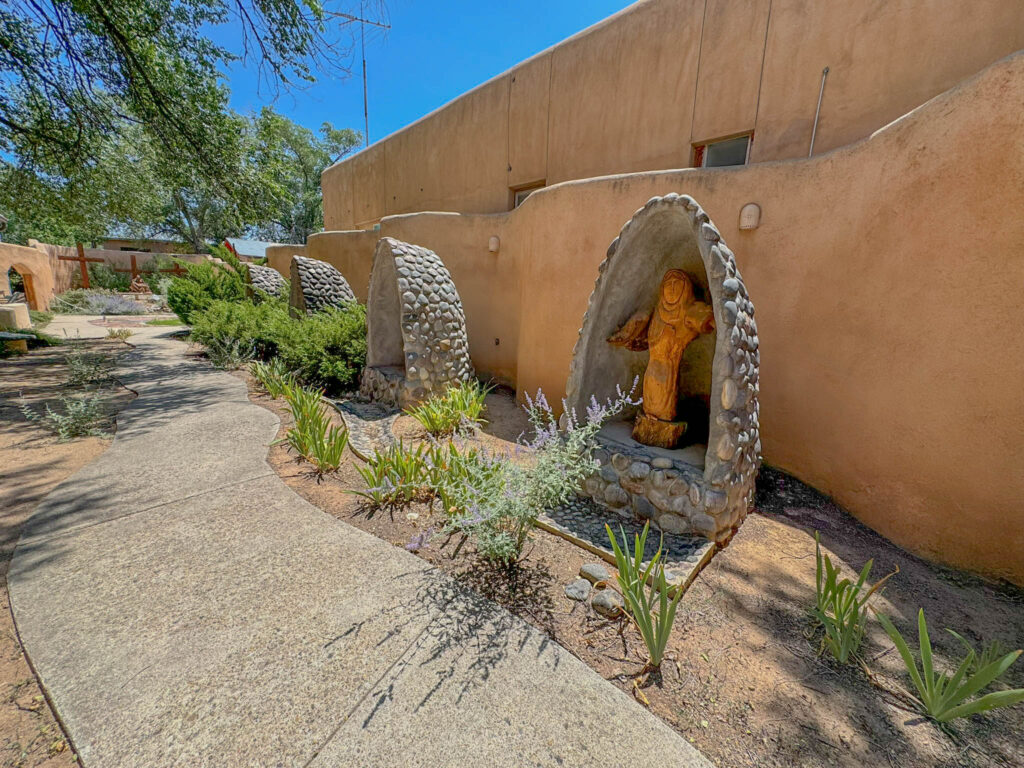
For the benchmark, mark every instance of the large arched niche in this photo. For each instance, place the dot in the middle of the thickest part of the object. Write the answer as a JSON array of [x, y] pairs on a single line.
[[704, 490], [416, 327]]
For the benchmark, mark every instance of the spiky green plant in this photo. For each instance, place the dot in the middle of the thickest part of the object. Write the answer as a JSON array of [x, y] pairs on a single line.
[[313, 437], [459, 407], [272, 376], [841, 608], [944, 698], [650, 607], [396, 475]]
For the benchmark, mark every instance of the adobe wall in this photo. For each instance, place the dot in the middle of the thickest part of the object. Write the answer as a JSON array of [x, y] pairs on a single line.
[[636, 91], [891, 359], [279, 257], [46, 276]]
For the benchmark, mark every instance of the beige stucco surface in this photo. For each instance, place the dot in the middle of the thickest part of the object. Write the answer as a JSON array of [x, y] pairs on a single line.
[[891, 365], [636, 91], [44, 275], [279, 257]]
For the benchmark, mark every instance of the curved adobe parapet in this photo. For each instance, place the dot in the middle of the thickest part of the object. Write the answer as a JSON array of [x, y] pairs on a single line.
[[317, 285], [700, 490], [416, 327], [265, 280]]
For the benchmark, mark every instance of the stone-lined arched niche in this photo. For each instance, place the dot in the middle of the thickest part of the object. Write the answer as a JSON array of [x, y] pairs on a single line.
[[705, 487], [264, 280], [317, 285], [416, 327]]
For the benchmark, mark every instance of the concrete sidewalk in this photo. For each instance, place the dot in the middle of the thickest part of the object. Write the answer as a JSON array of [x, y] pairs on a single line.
[[183, 607]]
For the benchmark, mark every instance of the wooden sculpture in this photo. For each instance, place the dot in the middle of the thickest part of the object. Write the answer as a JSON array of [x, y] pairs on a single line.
[[667, 330]]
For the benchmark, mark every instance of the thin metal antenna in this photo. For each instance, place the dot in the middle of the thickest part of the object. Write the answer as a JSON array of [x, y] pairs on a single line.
[[362, 50], [817, 112]]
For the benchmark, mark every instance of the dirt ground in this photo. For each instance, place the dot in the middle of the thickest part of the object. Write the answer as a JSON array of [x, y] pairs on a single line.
[[32, 462], [743, 680]]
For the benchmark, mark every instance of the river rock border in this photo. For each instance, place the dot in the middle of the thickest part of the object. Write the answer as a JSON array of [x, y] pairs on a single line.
[[317, 285], [679, 497], [416, 326]]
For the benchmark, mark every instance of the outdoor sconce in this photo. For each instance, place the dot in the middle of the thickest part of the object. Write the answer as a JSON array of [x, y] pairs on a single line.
[[494, 244], [750, 216]]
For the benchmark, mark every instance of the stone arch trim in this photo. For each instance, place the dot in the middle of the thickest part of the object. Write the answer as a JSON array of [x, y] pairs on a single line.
[[416, 326], [714, 502], [317, 285]]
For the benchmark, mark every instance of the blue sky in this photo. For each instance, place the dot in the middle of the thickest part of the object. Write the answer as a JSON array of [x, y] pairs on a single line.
[[433, 52]]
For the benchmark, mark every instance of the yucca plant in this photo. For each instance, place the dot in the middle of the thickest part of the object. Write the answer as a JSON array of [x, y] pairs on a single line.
[[944, 698], [459, 406], [650, 607], [841, 607], [272, 376]]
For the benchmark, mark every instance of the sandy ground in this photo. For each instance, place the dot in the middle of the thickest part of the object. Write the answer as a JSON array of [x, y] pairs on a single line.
[[743, 680], [32, 462]]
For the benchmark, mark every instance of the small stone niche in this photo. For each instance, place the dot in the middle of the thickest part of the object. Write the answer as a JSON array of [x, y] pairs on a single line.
[[705, 485], [317, 285], [416, 327]]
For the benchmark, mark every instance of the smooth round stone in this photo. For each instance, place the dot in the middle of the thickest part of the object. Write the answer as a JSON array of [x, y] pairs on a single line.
[[579, 590], [615, 496], [694, 494], [662, 462], [729, 393], [643, 508], [609, 474], [639, 470], [607, 603], [595, 572], [673, 524], [620, 462]]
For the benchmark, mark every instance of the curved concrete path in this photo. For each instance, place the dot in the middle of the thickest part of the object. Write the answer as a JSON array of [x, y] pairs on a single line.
[[183, 607]]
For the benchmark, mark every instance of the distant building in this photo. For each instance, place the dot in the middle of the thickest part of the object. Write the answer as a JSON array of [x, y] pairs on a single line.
[[145, 245], [248, 250]]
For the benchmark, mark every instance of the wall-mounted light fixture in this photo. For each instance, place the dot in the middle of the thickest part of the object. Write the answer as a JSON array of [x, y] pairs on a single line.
[[494, 244], [750, 216]]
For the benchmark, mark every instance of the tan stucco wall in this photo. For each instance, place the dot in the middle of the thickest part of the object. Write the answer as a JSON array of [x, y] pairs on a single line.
[[279, 257], [46, 276], [891, 364], [634, 92]]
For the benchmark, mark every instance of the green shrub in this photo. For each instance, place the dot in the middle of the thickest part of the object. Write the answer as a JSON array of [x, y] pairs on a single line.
[[105, 277], [81, 417], [205, 283], [650, 608], [253, 326], [39, 317], [326, 349], [841, 606], [158, 281], [944, 698], [458, 408]]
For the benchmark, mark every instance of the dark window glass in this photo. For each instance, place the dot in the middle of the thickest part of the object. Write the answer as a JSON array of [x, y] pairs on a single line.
[[729, 152]]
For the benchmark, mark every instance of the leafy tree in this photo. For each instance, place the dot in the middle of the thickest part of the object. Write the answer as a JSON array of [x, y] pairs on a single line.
[[72, 71], [289, 159]]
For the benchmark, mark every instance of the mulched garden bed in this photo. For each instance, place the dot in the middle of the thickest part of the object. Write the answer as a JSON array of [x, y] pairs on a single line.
[[742, 682]]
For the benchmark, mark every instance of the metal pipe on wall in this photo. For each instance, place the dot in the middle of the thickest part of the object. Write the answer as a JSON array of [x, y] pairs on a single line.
[[817, 112]]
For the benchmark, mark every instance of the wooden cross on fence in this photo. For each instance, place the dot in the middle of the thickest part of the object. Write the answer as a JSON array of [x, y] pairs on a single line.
[[177, 270]]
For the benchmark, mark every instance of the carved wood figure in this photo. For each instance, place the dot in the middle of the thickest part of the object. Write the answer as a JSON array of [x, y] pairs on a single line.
[[667, 330]]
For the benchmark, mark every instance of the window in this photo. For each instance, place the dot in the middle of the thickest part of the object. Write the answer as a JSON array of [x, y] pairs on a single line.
[[519, 195], [718, 154]]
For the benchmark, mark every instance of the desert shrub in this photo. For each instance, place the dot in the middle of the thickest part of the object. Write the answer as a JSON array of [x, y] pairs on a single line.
[[81, 417], [205, 283], [943, 697], [841, 605], [460, 407], [95, 301], [500, 500], [123, 334], [645, 592], [105, 277], [88, 370], [313, 437]]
